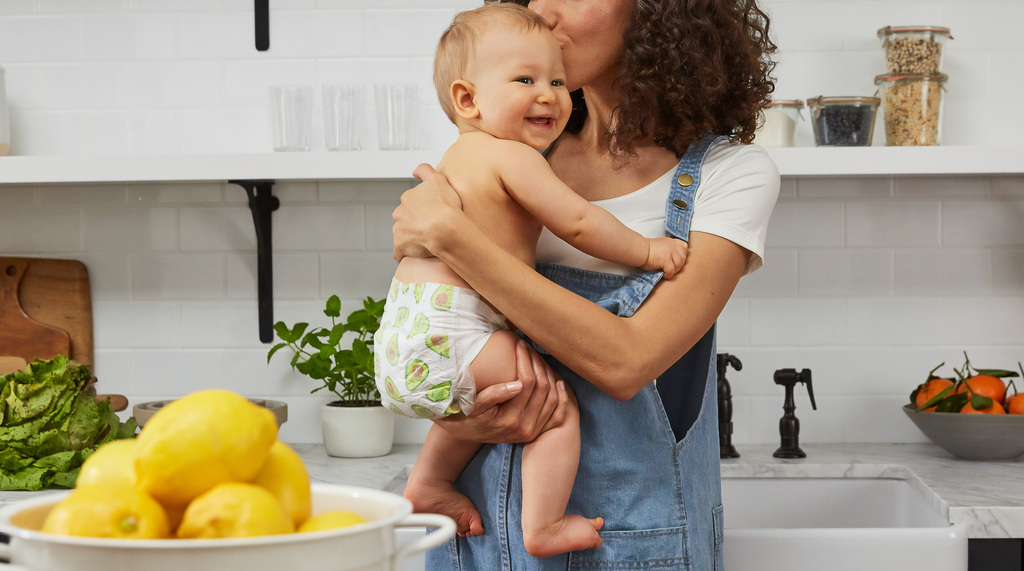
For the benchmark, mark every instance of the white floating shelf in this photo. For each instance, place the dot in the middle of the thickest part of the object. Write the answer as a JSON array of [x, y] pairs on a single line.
[[800, 161]]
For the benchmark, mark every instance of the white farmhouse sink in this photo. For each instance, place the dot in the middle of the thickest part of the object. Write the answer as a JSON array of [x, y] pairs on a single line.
[[837, 524], [777, 523]]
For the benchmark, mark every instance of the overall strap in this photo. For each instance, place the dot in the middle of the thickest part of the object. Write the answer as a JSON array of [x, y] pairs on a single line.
[[679, 207]]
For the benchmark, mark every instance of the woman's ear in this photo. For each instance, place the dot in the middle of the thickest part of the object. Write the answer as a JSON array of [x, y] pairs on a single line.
[[463, 98]]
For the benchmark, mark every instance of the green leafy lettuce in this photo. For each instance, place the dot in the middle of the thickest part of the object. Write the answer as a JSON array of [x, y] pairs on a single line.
[[50, 422]]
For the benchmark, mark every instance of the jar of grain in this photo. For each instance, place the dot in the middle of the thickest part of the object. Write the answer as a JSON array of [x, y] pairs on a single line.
[[779, 123], [843, 121], [913, 49], [5, 122], [912, 105]]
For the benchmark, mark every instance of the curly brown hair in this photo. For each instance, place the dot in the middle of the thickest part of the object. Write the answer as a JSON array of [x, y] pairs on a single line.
[[689, 68]]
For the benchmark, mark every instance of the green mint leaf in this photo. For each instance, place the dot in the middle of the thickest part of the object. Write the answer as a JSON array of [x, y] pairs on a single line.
[[333, 307], [275, 349]]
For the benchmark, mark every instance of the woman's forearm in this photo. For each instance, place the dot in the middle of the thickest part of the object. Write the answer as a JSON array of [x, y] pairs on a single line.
[[618, 355]]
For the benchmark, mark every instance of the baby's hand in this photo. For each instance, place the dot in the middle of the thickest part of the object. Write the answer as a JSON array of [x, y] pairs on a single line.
[[667, 254]]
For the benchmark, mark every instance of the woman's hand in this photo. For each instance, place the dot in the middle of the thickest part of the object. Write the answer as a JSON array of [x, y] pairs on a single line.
[[425, 213], [515, 412]]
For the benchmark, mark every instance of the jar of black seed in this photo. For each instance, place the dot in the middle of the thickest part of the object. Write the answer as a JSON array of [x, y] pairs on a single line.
[[843, 121]]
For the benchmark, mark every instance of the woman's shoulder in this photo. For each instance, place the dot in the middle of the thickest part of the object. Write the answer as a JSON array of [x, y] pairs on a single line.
[[726, 154]]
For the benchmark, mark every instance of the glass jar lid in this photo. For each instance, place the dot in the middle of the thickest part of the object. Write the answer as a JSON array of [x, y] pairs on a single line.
[[844, 100], [794, 103], [910, 29], [885, 78]]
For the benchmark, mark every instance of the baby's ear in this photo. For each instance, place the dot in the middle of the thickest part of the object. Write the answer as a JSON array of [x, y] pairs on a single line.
[[463, 99]]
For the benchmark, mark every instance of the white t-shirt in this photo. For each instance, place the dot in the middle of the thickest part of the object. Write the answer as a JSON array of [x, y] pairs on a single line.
[[738, 188]]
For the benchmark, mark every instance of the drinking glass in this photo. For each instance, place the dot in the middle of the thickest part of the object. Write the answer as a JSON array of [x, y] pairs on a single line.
[[397, 105], [291, 116], [343, 106]]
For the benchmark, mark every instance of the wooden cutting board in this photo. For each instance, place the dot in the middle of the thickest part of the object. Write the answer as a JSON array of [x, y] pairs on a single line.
[[45, 310]]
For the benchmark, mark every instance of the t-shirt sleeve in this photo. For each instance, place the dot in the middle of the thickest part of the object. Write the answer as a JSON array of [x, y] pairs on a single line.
[[738, 189]]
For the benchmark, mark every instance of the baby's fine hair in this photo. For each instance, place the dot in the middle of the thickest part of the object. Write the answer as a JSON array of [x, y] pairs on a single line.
[[455, 48]]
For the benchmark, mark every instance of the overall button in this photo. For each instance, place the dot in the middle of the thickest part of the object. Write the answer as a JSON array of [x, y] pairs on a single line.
[[685, 179], [679, 204]]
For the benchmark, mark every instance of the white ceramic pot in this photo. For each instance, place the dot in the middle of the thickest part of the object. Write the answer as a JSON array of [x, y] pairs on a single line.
[[357, 432], [366, 547]]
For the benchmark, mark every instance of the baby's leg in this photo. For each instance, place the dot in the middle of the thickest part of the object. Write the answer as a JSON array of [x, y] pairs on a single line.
[[549, 469], [431, 487]]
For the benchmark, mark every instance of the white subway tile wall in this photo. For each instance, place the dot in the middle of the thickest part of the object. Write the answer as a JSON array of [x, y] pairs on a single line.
[[870, 282]]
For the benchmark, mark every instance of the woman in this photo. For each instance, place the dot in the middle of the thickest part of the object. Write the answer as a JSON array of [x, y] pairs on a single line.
[[665, 93]]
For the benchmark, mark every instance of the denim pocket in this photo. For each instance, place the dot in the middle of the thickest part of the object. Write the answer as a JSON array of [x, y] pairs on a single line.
[[719, 520], [636, 549]]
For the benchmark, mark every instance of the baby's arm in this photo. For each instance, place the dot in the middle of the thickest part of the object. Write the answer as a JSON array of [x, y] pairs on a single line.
[[589, 228]]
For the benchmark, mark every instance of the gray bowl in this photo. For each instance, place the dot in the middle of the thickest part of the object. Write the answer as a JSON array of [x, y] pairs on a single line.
[[973, 436]]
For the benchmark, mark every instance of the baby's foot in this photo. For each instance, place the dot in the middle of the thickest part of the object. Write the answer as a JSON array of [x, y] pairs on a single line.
[[442, 498], [571, 533]]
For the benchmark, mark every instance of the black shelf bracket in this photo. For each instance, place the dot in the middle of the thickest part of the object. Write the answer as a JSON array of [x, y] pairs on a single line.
[[262, 202], [262, 12]]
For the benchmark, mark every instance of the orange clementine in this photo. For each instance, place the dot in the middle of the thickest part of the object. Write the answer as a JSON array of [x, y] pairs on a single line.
[[986, 386], [1015, 404], [929, 390], [996, 408]]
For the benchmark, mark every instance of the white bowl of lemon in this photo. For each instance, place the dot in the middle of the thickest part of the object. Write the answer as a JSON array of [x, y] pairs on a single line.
[[206, 486]]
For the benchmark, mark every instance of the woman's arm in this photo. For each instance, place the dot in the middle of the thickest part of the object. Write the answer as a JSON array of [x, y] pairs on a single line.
[[618, 355]]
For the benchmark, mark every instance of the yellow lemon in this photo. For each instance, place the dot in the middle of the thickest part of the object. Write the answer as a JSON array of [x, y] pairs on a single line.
[[332, 520], [202, 440], [112, 463], [235, 510], [103, 510], [285, 476]]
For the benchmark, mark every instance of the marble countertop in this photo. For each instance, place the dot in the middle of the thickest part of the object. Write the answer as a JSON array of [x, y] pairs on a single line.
[[987, 497]]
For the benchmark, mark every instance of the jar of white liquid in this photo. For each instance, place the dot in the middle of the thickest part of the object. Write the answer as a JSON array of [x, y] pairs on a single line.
[[5, 122], [779, 123]]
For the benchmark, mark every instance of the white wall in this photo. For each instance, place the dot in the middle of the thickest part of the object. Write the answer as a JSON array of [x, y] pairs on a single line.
[[870, 282]]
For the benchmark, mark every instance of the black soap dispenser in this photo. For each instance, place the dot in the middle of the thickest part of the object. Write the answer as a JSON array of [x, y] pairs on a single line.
[[789, 425], [725, 405]]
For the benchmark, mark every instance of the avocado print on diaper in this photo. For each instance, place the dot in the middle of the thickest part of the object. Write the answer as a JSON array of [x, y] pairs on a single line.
[[395, 409], [394, 289], [389, 385], [440, 392], [438, 343], [422, 412], [420, 324], [393, 350], [442, 298], [416, 372], [376, 365], [453, 408], [378, 336], [403, 314], [417, 291], [405, 287]]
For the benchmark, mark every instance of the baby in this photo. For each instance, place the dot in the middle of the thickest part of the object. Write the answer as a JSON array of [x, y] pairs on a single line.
[[499, 76]]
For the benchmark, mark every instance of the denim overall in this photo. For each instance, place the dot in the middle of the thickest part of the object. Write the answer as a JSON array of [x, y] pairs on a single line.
[[649, 466]]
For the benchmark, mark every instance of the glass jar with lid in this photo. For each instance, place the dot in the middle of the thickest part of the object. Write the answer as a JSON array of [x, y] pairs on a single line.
[[843, 121], [912, 105], [5, 122], [913, 49], [779, 123]]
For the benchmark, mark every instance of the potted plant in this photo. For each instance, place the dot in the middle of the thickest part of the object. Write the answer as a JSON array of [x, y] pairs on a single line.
[[355, 425]]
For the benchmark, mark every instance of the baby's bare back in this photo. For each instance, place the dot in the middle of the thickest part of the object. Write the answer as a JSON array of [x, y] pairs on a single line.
[[472, 166]]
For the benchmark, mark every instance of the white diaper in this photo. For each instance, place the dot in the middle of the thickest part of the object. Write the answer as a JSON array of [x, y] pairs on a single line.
[[429, 335]]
